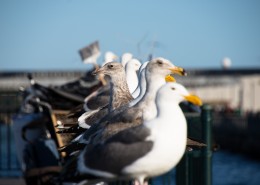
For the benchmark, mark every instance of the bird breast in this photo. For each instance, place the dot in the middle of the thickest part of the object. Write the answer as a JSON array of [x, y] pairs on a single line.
[[168, 148]]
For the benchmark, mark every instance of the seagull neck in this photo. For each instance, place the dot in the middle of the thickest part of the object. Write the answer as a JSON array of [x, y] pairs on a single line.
[[142, 88], [152, 86], [142, 84], [131, 79], [170, 121], [119, 84], [119, 93], [167, 109]]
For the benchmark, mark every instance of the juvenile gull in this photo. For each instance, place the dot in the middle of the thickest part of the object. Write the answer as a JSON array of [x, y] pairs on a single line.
[[100, 97], [145, 151], [102, 92], [97, 98], [120, 96], [119, 91]]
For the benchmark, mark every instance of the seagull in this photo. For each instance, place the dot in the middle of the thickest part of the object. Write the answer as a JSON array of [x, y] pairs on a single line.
[[120, 96], [148, 150], [100, 97], [119, 91], [102, 91]]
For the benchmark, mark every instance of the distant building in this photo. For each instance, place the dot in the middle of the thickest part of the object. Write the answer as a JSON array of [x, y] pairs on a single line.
[[229, 88]]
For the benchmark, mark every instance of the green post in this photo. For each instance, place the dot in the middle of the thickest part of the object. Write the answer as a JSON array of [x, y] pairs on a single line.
[[207, 137]]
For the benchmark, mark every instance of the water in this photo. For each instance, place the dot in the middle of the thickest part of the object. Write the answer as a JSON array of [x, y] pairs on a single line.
[[235, 169], [9, 166], [228, 169]]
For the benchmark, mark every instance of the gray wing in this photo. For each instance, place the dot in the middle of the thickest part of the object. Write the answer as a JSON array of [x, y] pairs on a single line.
[[131, 135], [100, 98], [127, 115], [113, 124], [119, 151], [195, 144], [98, 115]]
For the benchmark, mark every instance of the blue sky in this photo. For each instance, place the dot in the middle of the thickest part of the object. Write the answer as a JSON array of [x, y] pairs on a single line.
[[47, 34]]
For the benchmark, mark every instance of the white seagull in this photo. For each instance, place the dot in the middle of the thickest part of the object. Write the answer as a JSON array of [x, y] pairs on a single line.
[[149, 150]]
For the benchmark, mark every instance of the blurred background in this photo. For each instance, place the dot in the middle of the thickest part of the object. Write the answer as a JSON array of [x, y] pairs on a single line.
[[217, 42]]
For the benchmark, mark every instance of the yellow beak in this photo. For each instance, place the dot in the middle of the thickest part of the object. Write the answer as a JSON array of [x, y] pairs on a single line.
[[169, 78], [179, 71], [193, 99]]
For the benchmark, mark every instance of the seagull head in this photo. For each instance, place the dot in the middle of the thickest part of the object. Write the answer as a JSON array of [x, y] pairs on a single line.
[[111, 69], [164, 67], [176, 92]]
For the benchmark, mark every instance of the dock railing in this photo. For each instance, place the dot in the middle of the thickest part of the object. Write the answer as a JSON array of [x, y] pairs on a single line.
[[195, 167]]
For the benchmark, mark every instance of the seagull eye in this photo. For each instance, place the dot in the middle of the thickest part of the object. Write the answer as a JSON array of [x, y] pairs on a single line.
[[173, 88], [110, 66], [159, 62]]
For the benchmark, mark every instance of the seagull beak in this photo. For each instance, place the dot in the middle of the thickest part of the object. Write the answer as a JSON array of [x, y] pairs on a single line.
[[193, 99], [98, 71], [178, 70], [169, 78]]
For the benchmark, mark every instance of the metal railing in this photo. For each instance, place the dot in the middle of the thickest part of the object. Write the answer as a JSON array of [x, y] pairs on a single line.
[[195, 167]]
